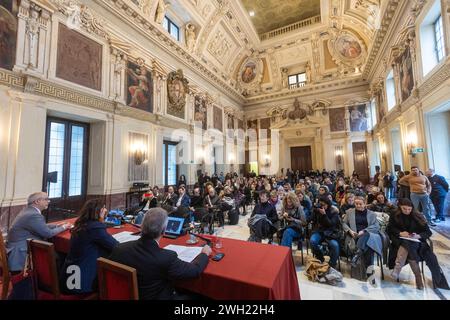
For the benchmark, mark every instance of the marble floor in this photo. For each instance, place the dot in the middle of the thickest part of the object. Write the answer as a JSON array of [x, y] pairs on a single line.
[[351, 289]]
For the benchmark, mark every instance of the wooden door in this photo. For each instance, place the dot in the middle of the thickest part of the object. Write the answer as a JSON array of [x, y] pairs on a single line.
[[301, 158], [360, 161]]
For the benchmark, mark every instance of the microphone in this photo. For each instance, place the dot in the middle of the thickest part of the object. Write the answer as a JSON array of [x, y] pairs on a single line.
[[208, 241]]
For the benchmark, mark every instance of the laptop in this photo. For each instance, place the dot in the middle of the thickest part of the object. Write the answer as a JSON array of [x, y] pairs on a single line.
[[174, 227]]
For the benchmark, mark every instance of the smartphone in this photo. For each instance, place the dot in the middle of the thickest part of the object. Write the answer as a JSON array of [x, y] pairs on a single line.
[[218, 257]]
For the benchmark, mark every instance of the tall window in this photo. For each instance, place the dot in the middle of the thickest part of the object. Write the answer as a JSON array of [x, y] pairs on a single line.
[[171, 28], [297, 80], [65, 164], [373, 114], [170, 168], [390, 90], [439, 37]]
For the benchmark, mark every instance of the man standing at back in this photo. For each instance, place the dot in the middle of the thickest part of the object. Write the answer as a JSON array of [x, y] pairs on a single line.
[[439, 190], [29, 224], [420, 190]]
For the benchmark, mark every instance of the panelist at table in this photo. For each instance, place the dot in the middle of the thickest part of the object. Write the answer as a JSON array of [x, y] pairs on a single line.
[[156, 267]]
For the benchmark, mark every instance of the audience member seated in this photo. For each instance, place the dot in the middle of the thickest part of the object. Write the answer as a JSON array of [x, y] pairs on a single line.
[[212, 204], [349, 203], [326, 223], [276, 202], [372, 195], [197, 205], [381, 204], [183, 198], [89, 240], [306, 204], [157, 268], [29, 224], [170, 200], [362, 238], [264, 219], [293, 219], [405, 227], [148, 201]]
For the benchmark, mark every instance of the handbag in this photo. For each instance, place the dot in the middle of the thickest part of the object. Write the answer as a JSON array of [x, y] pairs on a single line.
[[23, 287]]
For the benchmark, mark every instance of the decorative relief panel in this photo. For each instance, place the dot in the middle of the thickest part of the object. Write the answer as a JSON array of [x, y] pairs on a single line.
[[139, 86], [220, 46], [358, 117], [337, 119], [177, 88], [347, 50], [8, 36], [218, 119], [200, 112], [79, 59]]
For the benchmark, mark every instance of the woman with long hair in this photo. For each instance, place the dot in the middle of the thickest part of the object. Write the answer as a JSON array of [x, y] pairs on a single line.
[[89, 241], [294, 219], [409, 232]]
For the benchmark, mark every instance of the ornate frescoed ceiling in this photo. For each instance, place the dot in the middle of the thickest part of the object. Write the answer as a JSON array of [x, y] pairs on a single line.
[[274, 14]]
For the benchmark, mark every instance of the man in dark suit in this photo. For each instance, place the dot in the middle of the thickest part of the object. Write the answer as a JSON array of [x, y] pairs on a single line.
[[29, 224], [156, 267], [439, 190], [171, 198]]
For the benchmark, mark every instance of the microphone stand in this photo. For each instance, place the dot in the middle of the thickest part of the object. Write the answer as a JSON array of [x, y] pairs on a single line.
[[208, 241]]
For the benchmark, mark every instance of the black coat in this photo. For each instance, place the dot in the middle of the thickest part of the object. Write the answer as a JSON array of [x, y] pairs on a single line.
[[156, 268], [416, 251], [85, 247], [153, 204], [267, 209], [439, 186], [328, 223]]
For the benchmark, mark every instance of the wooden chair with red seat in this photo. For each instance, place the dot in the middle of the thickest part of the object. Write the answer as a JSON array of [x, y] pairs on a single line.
[[116, 281], [4, 269], [46, 281]]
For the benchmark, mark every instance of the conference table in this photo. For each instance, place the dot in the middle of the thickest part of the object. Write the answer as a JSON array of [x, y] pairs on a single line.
[[248, 270]]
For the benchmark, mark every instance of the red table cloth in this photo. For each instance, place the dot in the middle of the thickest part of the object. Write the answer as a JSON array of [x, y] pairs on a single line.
[[248, 271]]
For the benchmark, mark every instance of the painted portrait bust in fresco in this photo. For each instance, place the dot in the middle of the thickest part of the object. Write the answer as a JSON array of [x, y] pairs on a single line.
[[249, 72], [348, 47]]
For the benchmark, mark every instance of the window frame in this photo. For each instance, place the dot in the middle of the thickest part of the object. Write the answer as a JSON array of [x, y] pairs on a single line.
[[171, 24], [165, 177], [69, 124], [439, 38], [297, 83]]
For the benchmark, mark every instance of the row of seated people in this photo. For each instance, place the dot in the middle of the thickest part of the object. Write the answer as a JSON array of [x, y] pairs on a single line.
[[357, 232], [195, 207]]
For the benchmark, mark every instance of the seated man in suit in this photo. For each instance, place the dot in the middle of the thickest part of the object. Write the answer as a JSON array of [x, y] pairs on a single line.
[[156, 267], [29, 224], [170, 200]]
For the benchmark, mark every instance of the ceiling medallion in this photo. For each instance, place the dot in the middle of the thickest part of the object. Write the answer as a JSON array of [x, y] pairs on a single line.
[[250, 76], [347, 49]]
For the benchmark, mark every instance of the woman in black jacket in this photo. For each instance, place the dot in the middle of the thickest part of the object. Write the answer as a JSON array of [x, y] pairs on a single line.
[[408, 231], [326, 227], [89, 241]]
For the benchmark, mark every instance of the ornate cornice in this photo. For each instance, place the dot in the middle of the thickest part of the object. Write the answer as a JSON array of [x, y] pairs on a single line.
[[150, 30], [50, 90], [309, 89], [391, 8]]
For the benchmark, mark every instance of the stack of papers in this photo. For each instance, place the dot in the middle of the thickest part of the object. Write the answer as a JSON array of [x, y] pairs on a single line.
[[187, 254], [125, 236], [410, 239]]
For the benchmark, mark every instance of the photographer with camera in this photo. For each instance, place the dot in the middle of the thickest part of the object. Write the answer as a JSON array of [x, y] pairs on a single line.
[[326, 224]]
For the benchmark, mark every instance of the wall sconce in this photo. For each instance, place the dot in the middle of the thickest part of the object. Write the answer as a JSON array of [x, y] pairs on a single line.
[[411, 143], [266, 162], [383, 151], [339, 153], [138, 150]]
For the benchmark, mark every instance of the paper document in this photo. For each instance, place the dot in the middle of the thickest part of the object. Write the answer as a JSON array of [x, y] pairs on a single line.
[[125, 236], [186, 254], [410, 239]]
